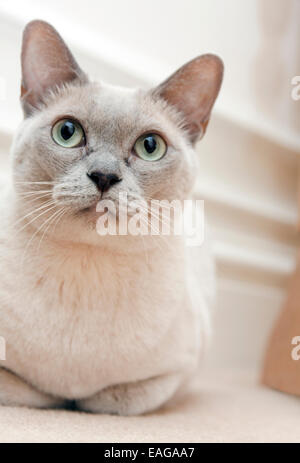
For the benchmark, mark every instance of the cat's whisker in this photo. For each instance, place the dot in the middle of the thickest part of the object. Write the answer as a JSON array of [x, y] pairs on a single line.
[[33, 193], [158, 231], [32, 199], [39, 215], [150, 212], [43, 206], [140, 201], [146, 213], [34, 183], [36, 232], [64, 209], [52, 219], [158, 217]]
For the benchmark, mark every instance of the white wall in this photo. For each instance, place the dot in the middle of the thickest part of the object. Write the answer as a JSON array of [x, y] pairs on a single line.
[[249, 158], [258, 40]]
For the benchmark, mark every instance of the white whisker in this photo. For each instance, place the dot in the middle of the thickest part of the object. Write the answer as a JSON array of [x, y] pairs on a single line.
[[51, 220], [46, 204], [35, 218], [36, 232]]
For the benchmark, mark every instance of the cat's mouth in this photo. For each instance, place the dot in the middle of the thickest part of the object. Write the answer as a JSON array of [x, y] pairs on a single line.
[[110, 207]]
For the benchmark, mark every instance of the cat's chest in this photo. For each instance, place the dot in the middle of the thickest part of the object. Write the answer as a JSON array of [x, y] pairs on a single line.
[[86, 323], [104, 293]]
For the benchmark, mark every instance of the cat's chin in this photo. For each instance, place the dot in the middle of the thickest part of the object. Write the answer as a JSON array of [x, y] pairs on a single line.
[[89, 215], [82, 227], [87, 211], [83, 221]]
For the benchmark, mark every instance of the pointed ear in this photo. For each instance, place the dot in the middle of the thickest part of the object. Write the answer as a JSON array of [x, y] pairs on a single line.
[[46, 63], [193, 90]]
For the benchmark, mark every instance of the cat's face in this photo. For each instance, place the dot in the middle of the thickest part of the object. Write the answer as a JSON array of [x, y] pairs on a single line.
[[81, 142], [111, 127]]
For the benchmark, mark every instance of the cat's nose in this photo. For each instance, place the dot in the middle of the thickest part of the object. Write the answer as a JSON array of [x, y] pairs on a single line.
[[103, 181]]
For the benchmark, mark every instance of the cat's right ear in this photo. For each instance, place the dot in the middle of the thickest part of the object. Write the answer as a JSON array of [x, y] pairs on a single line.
[[46, 63]]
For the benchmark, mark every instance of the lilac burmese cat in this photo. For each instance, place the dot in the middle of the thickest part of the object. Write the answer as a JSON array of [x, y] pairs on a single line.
[[114, 323]]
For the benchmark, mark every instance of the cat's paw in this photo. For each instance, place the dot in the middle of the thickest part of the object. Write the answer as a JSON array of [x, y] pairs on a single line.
[[16, 392], [132, 398]]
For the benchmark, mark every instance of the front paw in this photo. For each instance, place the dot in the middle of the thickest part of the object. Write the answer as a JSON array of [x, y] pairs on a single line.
[[132, 398], [16, 392]]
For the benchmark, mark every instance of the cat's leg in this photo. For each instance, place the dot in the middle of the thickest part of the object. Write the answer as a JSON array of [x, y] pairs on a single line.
[[15, 392], [133, 398]]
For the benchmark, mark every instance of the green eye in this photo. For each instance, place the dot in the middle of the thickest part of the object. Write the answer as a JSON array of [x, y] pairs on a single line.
[[68, 133], [150, 147]]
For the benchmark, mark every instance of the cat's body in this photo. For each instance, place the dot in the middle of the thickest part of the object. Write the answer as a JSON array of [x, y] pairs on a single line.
[[116, 323], [95, 318]]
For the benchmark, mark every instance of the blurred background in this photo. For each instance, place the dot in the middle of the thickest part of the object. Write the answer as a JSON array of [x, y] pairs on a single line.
[[250, 155]]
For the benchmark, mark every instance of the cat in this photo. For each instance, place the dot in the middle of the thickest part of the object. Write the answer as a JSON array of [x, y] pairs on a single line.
[[110, 324]]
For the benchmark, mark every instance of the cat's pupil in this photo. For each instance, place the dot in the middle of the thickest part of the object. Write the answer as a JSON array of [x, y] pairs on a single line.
[[67, 130], [150, 144]]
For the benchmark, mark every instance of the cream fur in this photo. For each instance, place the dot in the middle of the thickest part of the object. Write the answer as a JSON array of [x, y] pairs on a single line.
[[78, 319], [116, 324]]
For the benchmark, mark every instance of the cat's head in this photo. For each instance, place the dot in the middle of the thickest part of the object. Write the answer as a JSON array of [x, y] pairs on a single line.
[[81, 142]]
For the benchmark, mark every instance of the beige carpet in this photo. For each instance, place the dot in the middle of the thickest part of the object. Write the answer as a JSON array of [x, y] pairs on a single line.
[[223, 407]]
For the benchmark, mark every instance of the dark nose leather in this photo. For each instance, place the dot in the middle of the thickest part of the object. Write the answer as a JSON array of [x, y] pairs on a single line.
[[103, 181]]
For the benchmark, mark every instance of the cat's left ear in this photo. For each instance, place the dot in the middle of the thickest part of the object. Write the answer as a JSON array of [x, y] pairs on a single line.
[[192, 90], [46, 63]]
